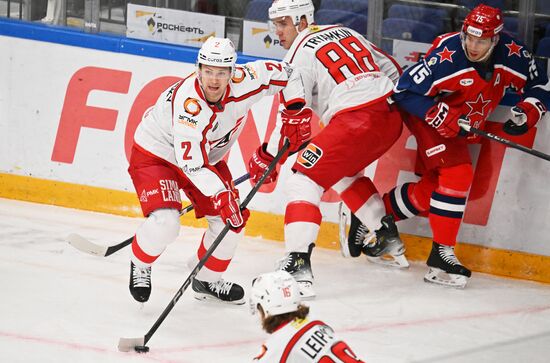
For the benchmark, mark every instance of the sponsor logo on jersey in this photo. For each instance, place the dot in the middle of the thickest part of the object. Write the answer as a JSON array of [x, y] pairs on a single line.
[[435, 150], [169, 190], [466, 82], [192, 106], [188, 121], [309, 157], [143, 197], [251, 72]]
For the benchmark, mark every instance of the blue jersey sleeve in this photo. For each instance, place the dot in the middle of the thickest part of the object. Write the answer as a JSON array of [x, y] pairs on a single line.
[[537, 84], [412, 87]]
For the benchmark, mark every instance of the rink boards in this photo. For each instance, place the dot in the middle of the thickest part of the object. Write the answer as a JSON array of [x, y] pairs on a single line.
[[70, 102]]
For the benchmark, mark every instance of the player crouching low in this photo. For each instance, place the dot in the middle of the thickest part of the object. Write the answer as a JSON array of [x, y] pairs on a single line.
[[294, 338]]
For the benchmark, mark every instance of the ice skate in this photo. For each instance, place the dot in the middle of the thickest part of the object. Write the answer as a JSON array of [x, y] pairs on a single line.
[[445, 268], [221, 290], [387, 248], [298, 264], [140, 282], [359, 235]]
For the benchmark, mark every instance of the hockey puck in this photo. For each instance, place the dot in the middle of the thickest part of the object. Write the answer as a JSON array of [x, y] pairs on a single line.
[[141, 349]]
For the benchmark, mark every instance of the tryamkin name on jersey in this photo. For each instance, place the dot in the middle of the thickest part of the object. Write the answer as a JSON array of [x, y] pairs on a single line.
[[475, 87], [329, 36]]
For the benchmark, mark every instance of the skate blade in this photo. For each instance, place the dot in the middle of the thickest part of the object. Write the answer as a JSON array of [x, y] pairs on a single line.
[[306, 290], [399, 261], [342, 230], [440, 277], [207, 297]]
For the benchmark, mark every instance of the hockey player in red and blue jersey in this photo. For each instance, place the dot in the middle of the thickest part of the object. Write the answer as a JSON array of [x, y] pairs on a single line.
[[463, 77]]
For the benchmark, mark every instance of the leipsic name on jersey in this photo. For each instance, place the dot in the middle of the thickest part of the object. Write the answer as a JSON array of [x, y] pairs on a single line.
[[302, 341]]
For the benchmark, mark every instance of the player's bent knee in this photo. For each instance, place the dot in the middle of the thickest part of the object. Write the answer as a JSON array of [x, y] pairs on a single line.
[[457, 177], [166, 224], [300, 187]]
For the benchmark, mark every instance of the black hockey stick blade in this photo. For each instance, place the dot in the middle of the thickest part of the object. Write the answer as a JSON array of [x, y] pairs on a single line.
[[138, 344], [504, 141], [85, 245]]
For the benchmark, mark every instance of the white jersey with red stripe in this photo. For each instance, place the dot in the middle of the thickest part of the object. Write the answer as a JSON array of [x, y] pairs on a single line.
[[304, 341], [193, 134], [341, 69]]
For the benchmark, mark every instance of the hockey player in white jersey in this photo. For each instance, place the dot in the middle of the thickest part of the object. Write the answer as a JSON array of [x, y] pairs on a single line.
[[275, 296], [348, 82], [180, 144]]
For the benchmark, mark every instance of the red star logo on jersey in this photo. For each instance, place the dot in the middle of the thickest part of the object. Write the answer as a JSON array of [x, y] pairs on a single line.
[[513, 48], [477, 106], [446, 55]]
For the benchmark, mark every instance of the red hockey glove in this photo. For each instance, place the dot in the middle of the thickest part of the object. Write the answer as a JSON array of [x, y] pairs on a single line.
[[258, 164], [525, 115], [296, 127], [446, 120], [226, 204]]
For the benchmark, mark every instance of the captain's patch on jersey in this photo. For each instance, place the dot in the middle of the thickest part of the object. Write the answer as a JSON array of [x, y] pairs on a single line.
[[311, 154]]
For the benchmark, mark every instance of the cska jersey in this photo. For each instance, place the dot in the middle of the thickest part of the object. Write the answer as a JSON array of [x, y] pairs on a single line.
[[189, 132], [446, 74], [341, 69], [304, 341]]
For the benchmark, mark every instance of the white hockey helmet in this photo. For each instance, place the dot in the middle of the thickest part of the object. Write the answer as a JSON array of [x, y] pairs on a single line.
[[276, 292], [219, 52], [293, 8]]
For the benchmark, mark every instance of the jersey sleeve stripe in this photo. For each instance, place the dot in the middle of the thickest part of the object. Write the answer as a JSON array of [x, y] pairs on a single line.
[[257, 90], [292, 342]]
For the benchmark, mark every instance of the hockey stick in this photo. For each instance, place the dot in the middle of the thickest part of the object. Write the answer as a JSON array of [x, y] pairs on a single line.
[[84, 245], [504, 141], [138, 344]]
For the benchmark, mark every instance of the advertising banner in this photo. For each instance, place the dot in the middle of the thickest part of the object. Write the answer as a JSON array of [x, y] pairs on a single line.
[[75, 123], [260, 41], [172, 26], [407, 53]]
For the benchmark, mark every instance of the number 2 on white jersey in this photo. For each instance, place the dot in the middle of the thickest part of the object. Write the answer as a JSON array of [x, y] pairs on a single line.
[[348, 53]]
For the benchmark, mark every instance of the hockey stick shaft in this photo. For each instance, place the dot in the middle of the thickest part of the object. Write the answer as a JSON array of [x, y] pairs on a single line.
[[504, 141], [86, 246], [125, 342]]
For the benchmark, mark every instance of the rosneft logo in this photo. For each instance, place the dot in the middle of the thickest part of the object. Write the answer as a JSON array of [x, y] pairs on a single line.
[[268, 41], [151, 25], [192, 106]]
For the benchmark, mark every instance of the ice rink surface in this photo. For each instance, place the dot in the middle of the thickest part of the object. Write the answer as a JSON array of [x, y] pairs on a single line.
[[60, 305]]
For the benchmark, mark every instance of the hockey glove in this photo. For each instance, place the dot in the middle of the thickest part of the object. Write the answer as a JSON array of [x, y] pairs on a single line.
[[226, 204], [446, 120], [524, 116], [296, 127], [258, 164]]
